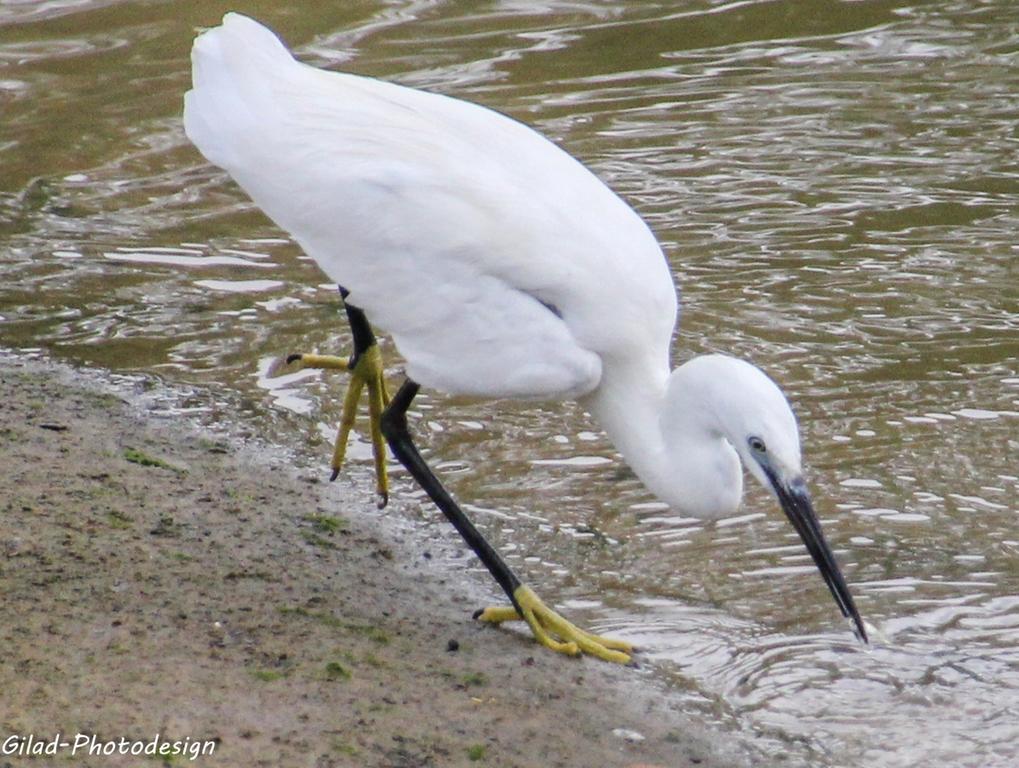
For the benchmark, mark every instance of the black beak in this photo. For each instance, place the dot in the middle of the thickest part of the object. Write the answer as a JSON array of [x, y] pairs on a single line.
[[795, 500]]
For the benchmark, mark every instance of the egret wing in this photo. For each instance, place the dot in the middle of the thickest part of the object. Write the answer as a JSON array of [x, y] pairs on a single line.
[[500, 265]]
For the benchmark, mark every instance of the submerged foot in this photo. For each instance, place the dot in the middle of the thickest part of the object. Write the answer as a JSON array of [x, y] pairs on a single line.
[[554, 632]]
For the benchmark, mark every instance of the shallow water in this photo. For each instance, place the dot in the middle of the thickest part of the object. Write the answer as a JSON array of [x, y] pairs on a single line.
[[835, 184]]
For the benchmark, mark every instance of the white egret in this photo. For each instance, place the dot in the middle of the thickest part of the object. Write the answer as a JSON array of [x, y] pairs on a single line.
[[501, 267]]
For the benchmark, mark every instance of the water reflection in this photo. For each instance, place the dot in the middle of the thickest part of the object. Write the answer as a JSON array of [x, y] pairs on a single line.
[[834, 185]]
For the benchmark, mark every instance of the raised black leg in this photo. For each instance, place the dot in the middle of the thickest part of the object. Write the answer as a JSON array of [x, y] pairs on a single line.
[[365, 367], [359, 327], [397, 434]]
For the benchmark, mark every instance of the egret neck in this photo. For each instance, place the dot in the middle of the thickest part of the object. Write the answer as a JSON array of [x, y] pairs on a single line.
[[668, 436]]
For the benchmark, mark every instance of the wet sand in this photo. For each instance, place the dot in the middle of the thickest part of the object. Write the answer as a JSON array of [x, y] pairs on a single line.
[[157, 578]]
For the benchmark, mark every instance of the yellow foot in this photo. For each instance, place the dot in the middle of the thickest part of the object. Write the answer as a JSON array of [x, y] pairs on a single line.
[[367, 373], [553, 631]]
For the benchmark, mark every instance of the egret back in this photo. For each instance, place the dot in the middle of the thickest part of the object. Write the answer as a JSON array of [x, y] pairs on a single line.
[[500, 265]]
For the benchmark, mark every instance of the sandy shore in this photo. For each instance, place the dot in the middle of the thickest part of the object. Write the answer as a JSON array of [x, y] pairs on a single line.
[[157, 579]]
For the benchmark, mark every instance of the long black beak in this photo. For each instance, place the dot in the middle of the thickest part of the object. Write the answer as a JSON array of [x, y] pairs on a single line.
[[796, 503]]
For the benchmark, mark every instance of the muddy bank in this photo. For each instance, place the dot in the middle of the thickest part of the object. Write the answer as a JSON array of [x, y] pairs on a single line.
[[158, 579]]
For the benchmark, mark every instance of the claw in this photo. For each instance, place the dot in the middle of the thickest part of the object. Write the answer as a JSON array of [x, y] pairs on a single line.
[[329, 362], [366, 372], [554, 632]]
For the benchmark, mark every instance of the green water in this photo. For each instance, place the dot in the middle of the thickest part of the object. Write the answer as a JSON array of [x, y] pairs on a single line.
[[836, 186]]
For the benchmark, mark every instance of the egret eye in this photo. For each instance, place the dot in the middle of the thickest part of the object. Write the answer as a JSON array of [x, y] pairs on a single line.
[[757, 445]]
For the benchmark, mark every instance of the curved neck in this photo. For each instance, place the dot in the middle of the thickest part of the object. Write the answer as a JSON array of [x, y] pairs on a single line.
[[627, 404], [666, 436]]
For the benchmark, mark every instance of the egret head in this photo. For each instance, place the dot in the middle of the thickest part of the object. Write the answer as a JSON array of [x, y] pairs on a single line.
[[750, 412]]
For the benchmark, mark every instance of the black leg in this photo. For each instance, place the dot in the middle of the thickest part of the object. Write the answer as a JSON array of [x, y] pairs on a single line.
[[394, 427], [359, 327], [365, 367]]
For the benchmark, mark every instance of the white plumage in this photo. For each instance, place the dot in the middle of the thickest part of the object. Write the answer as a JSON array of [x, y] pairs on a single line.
[[475, 222], [500, 265]]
